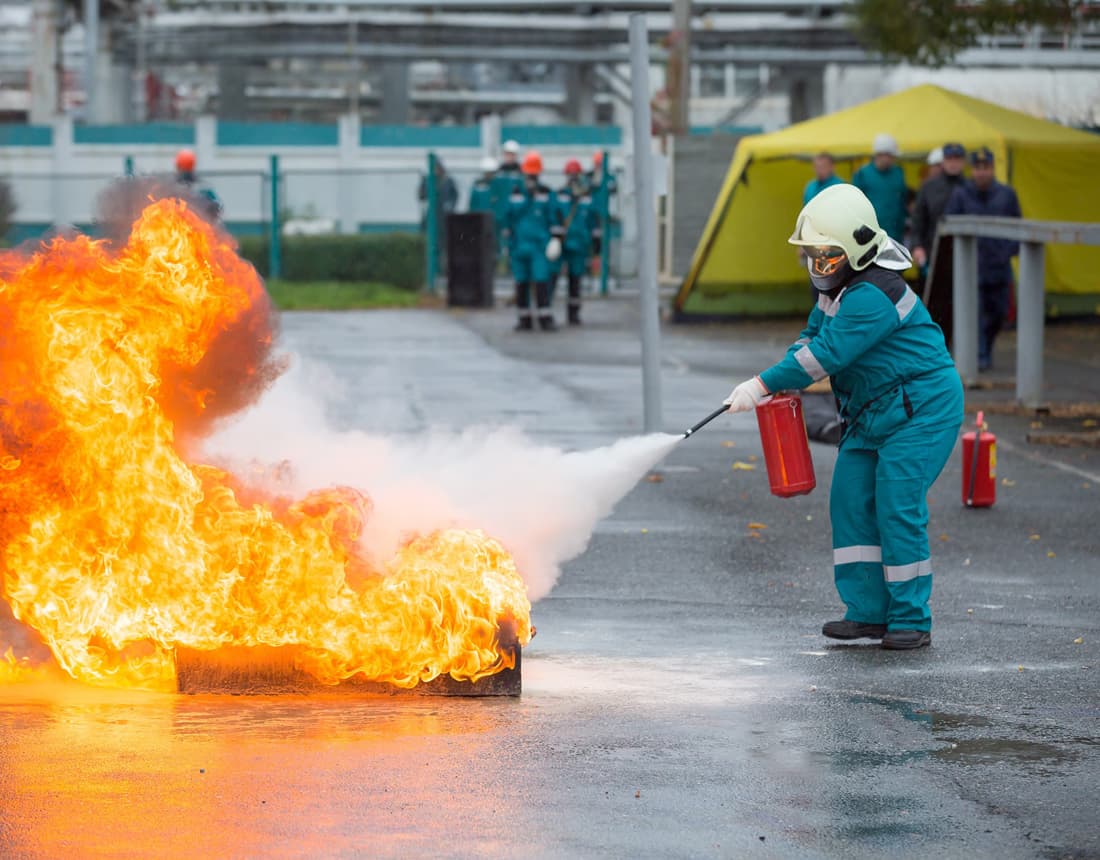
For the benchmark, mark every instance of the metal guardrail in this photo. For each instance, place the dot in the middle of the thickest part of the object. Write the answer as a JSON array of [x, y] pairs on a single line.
[[1033, 237]]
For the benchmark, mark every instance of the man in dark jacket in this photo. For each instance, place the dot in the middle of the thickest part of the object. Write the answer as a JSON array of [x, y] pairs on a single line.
[[984, 195], [932, 200]]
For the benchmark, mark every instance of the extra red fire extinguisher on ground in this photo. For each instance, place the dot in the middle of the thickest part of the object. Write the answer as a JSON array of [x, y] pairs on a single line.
[[979, 472], [786, 446]]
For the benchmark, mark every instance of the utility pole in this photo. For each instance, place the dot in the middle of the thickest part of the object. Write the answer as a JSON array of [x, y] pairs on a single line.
[[45, 83], [678, 74], [91, 55], [644, 202]]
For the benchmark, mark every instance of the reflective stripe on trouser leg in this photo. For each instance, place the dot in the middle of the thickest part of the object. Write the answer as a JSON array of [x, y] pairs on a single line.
[[523, 300], [857, 556], [908, 464]]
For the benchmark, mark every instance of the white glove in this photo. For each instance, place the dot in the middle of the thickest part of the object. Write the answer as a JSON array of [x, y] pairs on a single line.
[[553, 249], [746, 395]]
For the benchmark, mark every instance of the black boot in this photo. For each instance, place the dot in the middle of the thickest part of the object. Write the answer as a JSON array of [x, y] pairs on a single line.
[[853, 630], [906, 640], [542, 299], [524, 321], [574, 300]]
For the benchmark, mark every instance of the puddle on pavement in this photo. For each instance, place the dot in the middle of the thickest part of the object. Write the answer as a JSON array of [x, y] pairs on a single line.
[[997, 750], [965, 743]]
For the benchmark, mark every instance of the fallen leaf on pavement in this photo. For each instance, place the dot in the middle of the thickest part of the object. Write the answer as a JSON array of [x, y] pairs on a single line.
[[944, 538], [654, 477], [728, 443], [1007, 482], [1089, 422], [1079, 640], [757, 526], [1033, 537], [1050, 553], [753, 458], [743, 467], [1035, 425]]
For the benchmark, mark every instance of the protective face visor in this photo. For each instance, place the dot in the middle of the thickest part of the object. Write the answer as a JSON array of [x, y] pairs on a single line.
[[824, 260]]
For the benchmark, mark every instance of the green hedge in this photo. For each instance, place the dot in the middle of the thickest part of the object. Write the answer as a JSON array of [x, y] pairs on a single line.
[[396, 259]]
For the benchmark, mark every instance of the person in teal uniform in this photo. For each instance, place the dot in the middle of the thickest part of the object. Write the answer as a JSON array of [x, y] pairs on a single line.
[[481, 192], [883, 182], [901, 402], [507, 180], [531, 222], [824, 176], [578, 220]]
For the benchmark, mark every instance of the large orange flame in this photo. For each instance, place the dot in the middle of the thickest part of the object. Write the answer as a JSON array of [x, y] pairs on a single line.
[[117, 549]]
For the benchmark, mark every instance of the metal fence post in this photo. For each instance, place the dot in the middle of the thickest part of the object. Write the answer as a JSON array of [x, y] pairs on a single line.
[[964, 266], [605, 219], [647, 223], [431, 223], [274, 249], [1030, 310]]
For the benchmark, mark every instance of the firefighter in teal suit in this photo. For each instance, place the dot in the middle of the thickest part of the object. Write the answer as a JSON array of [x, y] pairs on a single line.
[[901, 402], [579, 221], [531, 223]]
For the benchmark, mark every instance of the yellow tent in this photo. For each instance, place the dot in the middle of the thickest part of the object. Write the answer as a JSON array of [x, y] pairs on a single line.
[[743, 264]]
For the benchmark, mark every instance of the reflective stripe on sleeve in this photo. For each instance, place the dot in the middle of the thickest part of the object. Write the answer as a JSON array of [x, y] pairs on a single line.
[[853, 554], [809, 363], [906, 303], [905, 572]]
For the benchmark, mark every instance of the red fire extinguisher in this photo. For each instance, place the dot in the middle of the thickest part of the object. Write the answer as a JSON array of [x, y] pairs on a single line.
[[979, 473], [786, 447]]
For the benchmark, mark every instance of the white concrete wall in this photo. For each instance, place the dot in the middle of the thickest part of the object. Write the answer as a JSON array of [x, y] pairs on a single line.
[[347, 183]]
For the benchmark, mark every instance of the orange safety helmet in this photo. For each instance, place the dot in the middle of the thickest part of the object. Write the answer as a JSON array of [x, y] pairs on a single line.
[[573, 167], [532, 164], [185, 161]]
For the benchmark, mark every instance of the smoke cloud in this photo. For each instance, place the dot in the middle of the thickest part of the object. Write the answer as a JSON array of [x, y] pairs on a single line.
[[540, 502]]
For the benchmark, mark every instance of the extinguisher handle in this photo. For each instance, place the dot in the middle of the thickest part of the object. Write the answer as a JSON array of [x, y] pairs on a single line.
[[719, 411]]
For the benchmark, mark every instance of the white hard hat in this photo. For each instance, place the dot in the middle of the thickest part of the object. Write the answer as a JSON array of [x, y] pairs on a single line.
[[488, 164], [935, 156], [842, 216], [511, 146], [884, 144]]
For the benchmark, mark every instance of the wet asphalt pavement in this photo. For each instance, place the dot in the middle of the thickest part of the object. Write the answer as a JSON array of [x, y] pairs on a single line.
[[679, 700]]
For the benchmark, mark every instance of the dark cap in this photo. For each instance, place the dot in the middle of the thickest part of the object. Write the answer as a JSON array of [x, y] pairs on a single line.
[[954, 150], [981, 155]]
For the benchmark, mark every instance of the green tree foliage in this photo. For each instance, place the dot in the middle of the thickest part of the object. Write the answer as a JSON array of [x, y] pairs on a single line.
[[932, 32]]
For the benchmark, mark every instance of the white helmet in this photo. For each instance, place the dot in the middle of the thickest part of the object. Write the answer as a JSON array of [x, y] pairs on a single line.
[[841, 217], [884, 144], [511, 146], [935, 156], [488, 164]]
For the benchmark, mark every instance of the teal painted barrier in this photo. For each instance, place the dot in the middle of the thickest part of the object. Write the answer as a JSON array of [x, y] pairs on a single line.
[[376, 228], [739, 130], [420, 136], [270, 134], [178, 134], [12, 134], [596, 136]]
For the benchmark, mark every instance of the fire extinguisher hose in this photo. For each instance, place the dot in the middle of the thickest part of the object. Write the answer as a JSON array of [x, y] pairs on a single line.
[[974, 460], [719, 411]]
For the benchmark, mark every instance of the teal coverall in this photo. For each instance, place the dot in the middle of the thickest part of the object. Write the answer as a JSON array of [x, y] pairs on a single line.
[[532, 216], [889, 195], [902, 404], [579, 219], [481, 195]]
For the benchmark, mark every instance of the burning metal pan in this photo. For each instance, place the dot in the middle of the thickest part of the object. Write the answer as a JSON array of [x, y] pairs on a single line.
[[265, 670]]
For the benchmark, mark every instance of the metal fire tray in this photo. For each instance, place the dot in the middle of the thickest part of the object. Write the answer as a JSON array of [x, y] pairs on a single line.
[[265, 670]]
